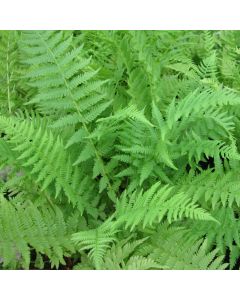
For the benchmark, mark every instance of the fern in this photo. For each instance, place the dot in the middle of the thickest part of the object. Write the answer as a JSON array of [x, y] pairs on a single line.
[[174, 253], [43, 155], [119, 150], [24, 227], [9, 72], [65, 82], [154, 205], [224, 235], [97, 241]]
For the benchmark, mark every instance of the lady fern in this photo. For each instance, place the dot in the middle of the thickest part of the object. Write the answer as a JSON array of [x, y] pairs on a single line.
[[119, 150]]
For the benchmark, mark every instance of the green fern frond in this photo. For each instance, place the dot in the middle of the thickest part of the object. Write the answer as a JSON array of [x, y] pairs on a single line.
[[96, 241], [224, 235], [41, 154], [153, 205], [175, 254], [24, 227]]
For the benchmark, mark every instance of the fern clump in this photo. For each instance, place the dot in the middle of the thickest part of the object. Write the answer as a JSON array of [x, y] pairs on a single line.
[[119, 150]]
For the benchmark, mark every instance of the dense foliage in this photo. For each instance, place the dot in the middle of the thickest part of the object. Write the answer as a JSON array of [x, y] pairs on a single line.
[[119, 150]]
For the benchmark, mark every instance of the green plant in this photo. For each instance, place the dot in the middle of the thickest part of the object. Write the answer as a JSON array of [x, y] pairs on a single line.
[[119, 149]]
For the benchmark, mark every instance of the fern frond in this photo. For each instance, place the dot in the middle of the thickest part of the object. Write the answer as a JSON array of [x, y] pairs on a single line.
[[9, 72], [66, 76], [24, 227], [175, 254], [97, 241], [153, 205], [41, 154], [223, 235]]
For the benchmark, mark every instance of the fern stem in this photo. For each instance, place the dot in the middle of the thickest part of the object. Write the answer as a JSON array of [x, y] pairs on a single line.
[[49, 200], [8, 80]]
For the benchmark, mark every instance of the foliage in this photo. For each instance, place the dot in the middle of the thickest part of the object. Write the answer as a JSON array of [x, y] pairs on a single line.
[[119, 150]]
